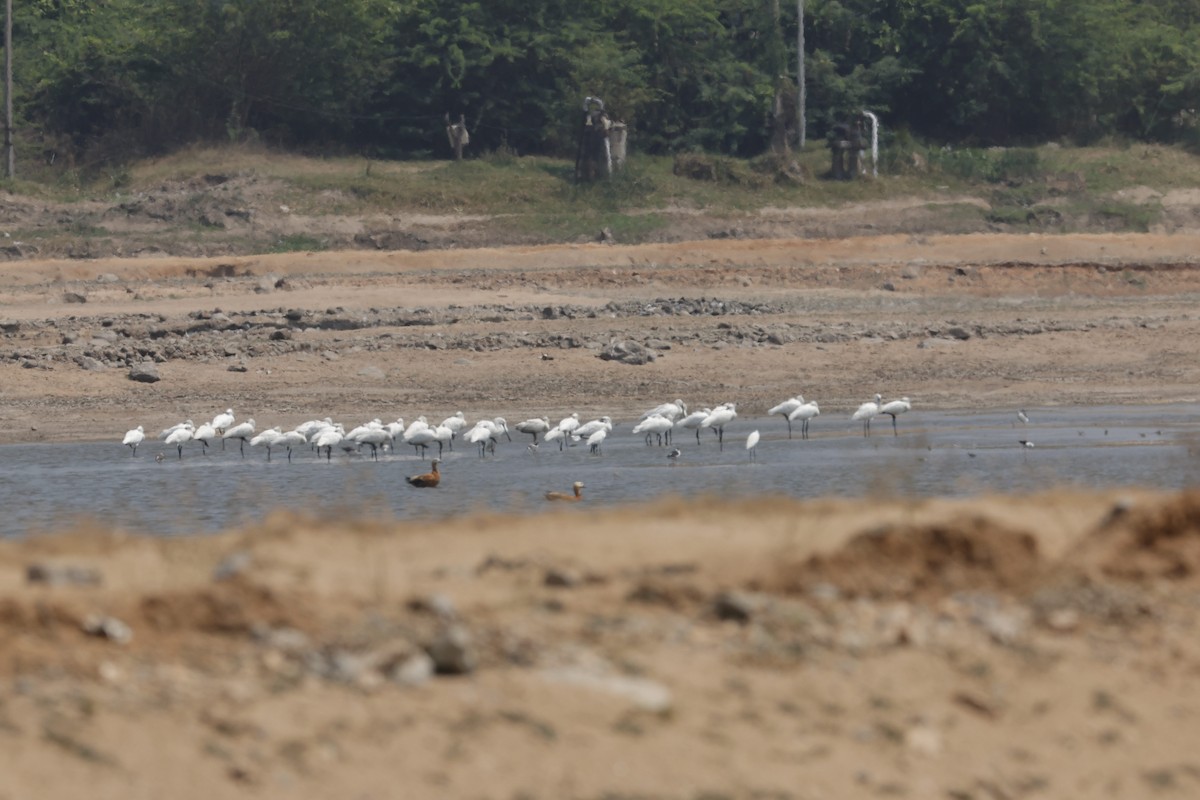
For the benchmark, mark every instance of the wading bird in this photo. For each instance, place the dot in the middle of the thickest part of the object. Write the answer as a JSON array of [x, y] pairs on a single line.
[[805, 414], [866, 412], [786, 408], [894, 409], [133, 438], [752, 445]]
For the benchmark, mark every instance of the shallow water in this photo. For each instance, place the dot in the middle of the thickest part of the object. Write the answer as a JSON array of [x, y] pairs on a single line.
[[51, 487]]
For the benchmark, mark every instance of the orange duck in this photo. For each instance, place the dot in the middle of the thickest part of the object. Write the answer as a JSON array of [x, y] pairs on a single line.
[[429, 479], [568, 498]]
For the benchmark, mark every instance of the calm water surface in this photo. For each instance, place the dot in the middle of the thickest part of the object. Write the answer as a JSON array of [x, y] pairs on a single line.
[[51, 487]]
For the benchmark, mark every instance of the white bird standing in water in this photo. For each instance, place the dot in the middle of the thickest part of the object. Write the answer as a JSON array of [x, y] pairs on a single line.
[[721, 416], [534, 426], [204, 435], [268, 439], [1023, 417], [133, 438], [752, 445], [866, 411], [242, 432], [694, 421], [894, 409], [179, 437], [291, 439], [786, 408], [222, 421], [805, 414]]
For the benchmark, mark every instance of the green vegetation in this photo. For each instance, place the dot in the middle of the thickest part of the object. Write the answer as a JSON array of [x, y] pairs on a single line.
[[104, 82]]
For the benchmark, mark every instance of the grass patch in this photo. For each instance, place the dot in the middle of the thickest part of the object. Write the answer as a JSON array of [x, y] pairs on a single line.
[[297, 243]]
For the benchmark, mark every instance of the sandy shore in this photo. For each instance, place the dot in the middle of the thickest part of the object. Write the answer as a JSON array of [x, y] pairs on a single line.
[[953, 322], [1034, 647]]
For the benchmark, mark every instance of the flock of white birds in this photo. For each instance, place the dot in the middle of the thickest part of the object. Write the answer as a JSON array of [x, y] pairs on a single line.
[[655, 425]]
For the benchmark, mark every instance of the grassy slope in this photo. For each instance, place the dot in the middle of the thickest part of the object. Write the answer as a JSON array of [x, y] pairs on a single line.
[[1063, 188]]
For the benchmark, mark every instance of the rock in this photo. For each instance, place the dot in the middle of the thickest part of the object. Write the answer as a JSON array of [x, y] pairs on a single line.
[[107, 627], [281, 335], [107, 277], [74, 297], [562, 577], [453, 651], [287, 640], [90, 364], [9, 326], [738, 606], [627, 352], [62, 575], [232, 566], [606, 236], [962, 334], [373, 373], [645, 694], [413, 671], [438, 605], [145, 372]]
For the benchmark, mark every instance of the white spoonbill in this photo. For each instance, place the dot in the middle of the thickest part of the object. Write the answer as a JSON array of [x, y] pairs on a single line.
[[291, 439], [721, 416], [205, 435], [374, 438], [242, 432], [596, 440], [267, 439], [222, 421], [177, 426], [588, 428], [786, 408], [179, 437], [865, 412], [805, 413], [752, 445], [894, 409], [133, 438], [534, 426], [671, 411], [420, 439], [694, 421], [456, 422], [328, 438], [655, 425], [1023, 417]]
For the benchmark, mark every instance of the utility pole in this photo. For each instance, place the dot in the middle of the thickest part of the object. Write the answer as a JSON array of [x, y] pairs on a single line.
[[801, 94], [10, 161]]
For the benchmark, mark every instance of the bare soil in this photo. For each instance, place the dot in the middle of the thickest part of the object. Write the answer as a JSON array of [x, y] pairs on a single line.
[[1034, 647]]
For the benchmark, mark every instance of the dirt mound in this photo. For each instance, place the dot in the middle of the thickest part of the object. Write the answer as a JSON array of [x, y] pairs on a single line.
[[1157, 541], [924, 562]]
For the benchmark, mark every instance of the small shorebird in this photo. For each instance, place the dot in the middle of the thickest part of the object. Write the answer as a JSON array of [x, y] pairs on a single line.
[[568, 498], [674, 455], [427, 481]]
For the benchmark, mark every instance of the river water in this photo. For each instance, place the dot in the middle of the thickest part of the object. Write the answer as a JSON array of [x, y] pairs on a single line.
[[55, 487]]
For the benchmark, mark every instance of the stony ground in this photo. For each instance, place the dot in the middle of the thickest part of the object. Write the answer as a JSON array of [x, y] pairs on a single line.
[[1039, 647]]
